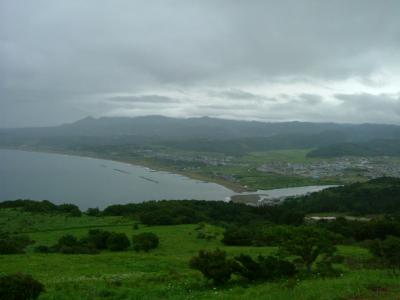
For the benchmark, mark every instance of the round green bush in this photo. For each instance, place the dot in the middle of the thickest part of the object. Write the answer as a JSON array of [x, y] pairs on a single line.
[[145, 241], [19, 287], [117, 241]]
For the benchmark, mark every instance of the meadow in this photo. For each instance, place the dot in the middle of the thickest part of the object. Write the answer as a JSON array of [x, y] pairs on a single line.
[[163, 273]]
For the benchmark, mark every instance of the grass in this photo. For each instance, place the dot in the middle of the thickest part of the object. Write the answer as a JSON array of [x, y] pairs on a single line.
[[163, 273]]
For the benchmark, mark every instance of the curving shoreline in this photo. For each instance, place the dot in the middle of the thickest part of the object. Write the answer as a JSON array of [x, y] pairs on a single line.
[[234, 187]]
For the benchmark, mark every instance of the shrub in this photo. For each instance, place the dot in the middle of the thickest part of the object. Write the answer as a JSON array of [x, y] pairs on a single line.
[[213, 265], [158, 217], [307, 243], [94, 212], [98, 238], [388, 251], [238, 236], [68, 240], [42, 207], [19, 287], [43, 249], [117, 241], [145, 241], [69, 244], [265, 268], [71, 209], [13, 244]]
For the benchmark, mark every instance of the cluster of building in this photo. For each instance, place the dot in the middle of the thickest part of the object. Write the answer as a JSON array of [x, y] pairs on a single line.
[[189, 158], [358, 166]]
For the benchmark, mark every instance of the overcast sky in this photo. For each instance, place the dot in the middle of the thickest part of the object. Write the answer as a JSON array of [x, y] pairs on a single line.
[[261, 60]]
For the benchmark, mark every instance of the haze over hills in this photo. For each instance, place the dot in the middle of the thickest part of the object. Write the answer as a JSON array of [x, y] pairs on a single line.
[[200, 134], [204, 127]]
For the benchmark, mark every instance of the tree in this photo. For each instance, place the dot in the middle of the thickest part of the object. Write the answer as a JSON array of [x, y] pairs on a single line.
[[239, 236], [213, 265], [264, 268], [307, 243], [19, 287], [117, 241], [388, 251], [145, 241], [98, 238], [71, 209], [69, 244], [94, 212], [13, 244]]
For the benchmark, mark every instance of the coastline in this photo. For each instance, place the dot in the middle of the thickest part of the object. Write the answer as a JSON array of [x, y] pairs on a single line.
[[234, 187]]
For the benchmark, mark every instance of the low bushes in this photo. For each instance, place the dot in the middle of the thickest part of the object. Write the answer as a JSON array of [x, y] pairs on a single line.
[[10, 244], [264, 268], [215, 265], [19, 287], [388, 252], [42, 207], [117, 241], [95, 241], [145, 241]]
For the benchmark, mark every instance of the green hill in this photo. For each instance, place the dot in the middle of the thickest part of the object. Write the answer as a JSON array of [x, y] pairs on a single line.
[[378, 196], [376, 147]]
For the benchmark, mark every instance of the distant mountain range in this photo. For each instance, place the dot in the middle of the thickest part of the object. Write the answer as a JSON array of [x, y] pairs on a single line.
[[208, 134]]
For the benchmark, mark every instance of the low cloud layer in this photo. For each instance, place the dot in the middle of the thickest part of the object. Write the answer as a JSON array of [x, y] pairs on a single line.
[[262, 60]]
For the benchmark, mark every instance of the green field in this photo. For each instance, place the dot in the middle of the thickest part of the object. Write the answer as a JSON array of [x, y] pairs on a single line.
[[163, 273]]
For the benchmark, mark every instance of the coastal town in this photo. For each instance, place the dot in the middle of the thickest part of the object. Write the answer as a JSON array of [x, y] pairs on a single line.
[[315, 169], [358, 166]]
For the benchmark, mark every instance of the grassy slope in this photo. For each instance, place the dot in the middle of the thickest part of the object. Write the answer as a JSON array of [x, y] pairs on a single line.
[[164, 273]]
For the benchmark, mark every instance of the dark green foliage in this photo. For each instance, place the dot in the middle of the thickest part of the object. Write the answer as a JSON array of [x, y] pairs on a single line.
[[376, 147], [373, 197], [264, 269], [69, 209], [19, 287], [363, 230], [145, 241], [239, 236], [45, 249], [42, 207], [169, 212], [325, 266], [272, 235], [388, 251], [214, 265], [117, 241], [69, 244], [309, 243], [13, 244], [257, 234], [94, 212], [95, 241], [68, 240], [98, 238]]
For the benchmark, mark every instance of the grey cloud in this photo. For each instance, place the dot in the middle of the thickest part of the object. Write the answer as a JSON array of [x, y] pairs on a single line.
[[311, 99], [143, 99], [383, 104], [66, 54], [236, 94]]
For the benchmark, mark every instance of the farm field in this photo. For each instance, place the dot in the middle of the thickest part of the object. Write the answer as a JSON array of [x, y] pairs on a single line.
[[163, 273]]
